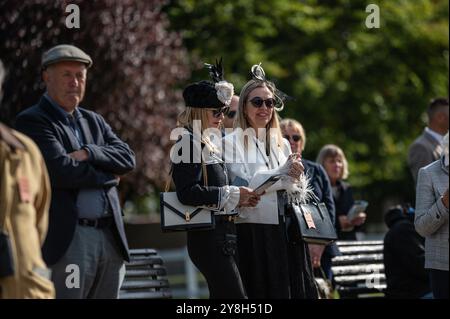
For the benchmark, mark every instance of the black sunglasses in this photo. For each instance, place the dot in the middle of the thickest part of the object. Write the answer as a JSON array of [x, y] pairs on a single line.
[[258, 102], [231, 114], [296, 138], [218, 112]]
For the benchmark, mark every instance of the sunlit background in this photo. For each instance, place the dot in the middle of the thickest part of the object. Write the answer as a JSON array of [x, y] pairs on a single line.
[[365, 89]]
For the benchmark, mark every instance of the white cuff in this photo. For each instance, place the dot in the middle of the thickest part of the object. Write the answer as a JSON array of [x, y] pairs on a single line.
[[229, 199]]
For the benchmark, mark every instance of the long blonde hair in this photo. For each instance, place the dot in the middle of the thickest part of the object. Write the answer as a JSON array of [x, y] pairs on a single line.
[[242, 121], [190, 114]]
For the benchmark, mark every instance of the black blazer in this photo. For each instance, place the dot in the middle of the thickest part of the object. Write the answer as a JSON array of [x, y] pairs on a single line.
[[109, 157], [321, 185], [344, 201], [188, 176]]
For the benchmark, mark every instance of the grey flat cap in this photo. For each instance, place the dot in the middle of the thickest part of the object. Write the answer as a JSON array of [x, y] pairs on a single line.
[[65, 52]]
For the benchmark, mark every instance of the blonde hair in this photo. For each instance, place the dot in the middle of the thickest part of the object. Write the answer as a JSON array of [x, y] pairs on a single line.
[[242, 121], [285, 123], [332, 151], [190, 114]]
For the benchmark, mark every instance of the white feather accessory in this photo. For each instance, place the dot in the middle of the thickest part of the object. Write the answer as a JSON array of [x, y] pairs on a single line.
[[225, 91]]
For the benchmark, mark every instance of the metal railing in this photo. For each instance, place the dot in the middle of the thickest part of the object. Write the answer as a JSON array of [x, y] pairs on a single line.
[[184, 278]]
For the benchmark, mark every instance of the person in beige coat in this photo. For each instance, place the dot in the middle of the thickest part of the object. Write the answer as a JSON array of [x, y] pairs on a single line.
[[431, 220], [24, 204]]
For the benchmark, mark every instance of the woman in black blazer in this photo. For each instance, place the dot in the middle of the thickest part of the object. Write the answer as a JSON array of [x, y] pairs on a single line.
[[201, 179]]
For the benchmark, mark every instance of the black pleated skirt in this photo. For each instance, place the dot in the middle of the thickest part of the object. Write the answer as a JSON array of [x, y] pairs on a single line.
[[272, 265]]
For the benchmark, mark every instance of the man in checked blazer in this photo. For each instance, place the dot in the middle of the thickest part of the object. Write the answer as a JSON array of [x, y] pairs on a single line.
[[431, 220], [86, 244], [427, 147]]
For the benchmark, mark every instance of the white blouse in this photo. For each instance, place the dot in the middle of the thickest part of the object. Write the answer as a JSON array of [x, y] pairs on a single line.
[[251, 167]]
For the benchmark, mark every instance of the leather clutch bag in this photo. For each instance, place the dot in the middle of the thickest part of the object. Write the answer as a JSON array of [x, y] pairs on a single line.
[[178, 217]]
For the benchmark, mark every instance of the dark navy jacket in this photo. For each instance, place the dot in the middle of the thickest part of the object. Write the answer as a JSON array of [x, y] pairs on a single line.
[[322, 189], [344, 202], [109, 156]]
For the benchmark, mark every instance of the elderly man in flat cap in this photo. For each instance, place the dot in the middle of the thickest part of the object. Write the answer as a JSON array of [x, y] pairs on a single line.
[[24, 204], [86, 244]]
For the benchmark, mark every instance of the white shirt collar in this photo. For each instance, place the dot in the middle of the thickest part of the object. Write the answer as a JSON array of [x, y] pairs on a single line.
[[438, 137]]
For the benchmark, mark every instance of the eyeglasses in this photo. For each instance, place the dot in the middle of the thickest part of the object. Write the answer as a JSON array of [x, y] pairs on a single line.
[[295, 138], [231, 114], [258, 102], [218, 112]]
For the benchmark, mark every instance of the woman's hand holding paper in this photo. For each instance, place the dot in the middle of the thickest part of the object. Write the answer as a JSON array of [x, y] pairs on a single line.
[[248, 198]]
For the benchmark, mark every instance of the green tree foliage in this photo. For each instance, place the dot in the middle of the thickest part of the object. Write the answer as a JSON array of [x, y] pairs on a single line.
[[363, 89], [137, 63]]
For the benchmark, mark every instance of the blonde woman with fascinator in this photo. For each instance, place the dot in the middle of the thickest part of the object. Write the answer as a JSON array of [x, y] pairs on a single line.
[[270, 266], [204, 183]]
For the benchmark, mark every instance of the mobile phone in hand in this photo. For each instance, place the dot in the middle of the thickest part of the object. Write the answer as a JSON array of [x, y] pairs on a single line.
[[358, 206]]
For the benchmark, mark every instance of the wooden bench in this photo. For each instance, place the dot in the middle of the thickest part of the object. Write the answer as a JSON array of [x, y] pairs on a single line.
[[145, 277], [359, 272]]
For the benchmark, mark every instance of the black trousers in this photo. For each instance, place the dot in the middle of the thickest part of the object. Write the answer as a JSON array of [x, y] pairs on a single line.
[[213, 252], [300, 267], [439, 283]]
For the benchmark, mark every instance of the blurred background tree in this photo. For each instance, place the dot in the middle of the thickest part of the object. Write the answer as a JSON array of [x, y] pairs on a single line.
[[363, 89], [137, 64]]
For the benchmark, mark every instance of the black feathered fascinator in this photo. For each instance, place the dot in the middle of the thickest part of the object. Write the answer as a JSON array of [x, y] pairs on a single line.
[[215, 71], [206, 94]]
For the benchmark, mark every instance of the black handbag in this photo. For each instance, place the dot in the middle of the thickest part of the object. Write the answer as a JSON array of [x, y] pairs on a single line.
[[314, 223], [6, 256]]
